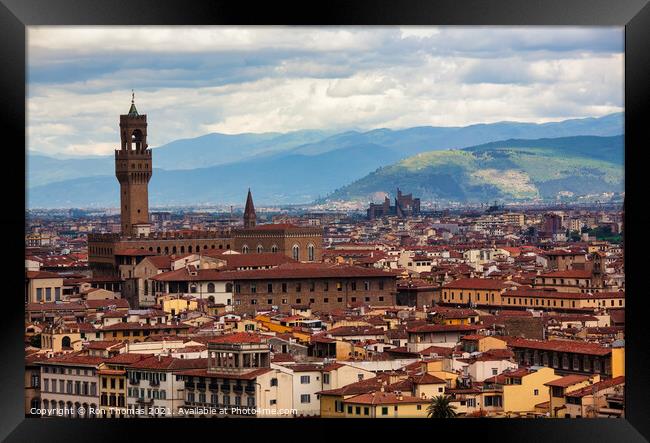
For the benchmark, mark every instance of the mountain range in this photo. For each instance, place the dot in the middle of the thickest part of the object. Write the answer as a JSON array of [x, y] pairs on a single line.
[[510, 170], [303, 166]]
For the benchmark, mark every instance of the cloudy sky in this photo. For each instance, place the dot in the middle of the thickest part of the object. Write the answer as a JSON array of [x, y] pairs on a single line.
[[191, 81]]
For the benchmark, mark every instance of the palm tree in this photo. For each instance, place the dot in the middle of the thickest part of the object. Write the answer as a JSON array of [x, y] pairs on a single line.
[[440, 407]]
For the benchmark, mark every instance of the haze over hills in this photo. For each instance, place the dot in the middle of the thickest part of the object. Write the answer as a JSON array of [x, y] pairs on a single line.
[[511, 170], [302, 166]]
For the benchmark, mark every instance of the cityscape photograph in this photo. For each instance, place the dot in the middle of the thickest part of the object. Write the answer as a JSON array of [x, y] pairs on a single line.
[[324, 222]]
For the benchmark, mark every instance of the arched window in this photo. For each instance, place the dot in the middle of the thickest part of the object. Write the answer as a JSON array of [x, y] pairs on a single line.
[[150, 249], [65, 342], [137, 137], [260, 249], [174, 250], [244, 249], [182, 249], [295, 252], [158, 249], [311, 252], [166, 250], [274, 248], [228, 287], [211, 287], [193, 289]]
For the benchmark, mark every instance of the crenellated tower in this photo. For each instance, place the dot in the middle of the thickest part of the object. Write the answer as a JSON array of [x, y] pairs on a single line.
[[133, 168]]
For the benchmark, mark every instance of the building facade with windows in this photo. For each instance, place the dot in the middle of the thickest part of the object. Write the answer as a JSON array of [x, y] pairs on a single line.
[[69, 385], [238, 381], [322, 287]]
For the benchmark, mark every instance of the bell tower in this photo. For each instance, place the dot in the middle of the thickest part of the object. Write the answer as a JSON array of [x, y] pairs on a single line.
[[133, 171]]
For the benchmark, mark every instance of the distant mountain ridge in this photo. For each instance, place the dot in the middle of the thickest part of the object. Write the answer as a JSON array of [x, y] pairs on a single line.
[[296, 167], [510, 170]]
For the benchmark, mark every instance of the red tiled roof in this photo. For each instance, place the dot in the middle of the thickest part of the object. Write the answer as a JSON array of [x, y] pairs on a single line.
[[33, 275], [104, 344], [575, 347], [567, 380], [239, 337], [444, 328], [232, 376], [76, 360], [599, 386], [170, 363], [127, 358], [382, 398], [568, 274], [117, 303], [355, 330]]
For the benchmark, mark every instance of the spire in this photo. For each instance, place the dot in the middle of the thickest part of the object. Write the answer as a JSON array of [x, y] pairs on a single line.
[[133, 112], [249, 211]]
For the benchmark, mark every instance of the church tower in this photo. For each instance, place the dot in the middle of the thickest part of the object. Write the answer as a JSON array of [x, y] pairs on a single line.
[[249, 212], [133, 171]]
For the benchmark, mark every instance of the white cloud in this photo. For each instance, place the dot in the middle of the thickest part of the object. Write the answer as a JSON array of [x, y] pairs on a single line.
[[190, 81]]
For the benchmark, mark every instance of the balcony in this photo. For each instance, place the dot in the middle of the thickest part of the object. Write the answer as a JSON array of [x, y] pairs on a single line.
[[213, 387], [189, 385], [250, 389], [134, 381], [200, 386], [225, 388], [238, 389], [154, 382]]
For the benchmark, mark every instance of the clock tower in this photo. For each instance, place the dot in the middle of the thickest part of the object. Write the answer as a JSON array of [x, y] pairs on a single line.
[[133, 170]]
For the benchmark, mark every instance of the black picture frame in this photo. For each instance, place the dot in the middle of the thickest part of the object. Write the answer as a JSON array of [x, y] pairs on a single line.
[[15, 15]]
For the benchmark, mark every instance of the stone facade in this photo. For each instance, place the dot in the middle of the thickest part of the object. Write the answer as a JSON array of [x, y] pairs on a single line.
[[133, 168], [300, 243], [319, 293]]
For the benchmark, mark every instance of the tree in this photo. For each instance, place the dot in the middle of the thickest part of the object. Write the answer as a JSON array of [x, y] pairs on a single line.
[[440, 407]]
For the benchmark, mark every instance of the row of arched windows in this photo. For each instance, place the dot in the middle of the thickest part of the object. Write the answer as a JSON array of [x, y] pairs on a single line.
[[190, 249]]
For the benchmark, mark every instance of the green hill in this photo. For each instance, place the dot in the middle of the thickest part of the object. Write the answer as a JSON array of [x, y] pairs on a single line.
[[511, 170]]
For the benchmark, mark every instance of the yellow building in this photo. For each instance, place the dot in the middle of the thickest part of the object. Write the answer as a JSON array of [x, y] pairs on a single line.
[[478, 291], [481, 343], [560, 387], [524, 388], [61, 339], [43, 287], [112, 392], [552, 299], [385, 405], [174, 305], [618, 360]]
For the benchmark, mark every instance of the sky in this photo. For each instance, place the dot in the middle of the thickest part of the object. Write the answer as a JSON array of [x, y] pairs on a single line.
[[191, 81]]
